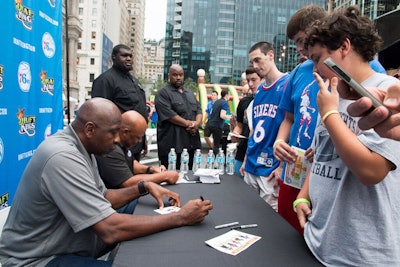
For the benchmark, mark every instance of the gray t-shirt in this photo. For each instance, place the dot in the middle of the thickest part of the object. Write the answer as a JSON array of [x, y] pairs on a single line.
[[60, 196], [353, 224]]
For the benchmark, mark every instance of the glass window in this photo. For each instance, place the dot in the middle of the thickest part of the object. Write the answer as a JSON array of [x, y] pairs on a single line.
[[91, 77]]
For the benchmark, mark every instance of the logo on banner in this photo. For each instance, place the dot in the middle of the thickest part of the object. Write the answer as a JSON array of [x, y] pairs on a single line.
[[47, 83], [24, 76], [1, 76], [4, 200], [1, 150], [24, 14], [48, 45], [47, 131], [27, 124], [52, 3]]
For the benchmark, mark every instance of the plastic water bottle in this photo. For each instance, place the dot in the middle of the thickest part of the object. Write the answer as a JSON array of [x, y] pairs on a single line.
[[197, 160], [210, 160], [229, 162], [221, 161], [184, 161], [172, 160]]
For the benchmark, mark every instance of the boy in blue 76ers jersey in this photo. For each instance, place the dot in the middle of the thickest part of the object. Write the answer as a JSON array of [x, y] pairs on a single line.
[[262, 170]]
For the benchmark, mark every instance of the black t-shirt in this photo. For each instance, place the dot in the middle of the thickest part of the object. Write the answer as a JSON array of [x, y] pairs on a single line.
[[116, 167], [242, 118]]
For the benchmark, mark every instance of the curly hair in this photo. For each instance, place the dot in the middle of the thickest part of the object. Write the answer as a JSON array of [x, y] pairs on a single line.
[[303, 18], [343, 24]]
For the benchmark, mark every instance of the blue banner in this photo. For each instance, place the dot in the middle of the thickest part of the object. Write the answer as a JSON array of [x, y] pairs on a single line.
[[30, 84]]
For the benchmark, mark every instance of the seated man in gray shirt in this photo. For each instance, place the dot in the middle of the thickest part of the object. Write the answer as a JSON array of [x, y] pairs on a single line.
[[63, 214], [119, 168]]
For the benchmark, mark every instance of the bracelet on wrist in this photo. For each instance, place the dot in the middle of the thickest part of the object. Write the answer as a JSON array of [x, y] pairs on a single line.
[[327, 114], [277, 141], [300, 200], [148, 170], [142, 189]]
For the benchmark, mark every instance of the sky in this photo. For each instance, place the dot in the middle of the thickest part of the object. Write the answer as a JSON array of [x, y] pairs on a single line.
[[155, 16]]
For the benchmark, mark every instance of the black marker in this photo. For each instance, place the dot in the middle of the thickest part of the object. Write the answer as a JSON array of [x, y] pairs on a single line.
[[201, 197]]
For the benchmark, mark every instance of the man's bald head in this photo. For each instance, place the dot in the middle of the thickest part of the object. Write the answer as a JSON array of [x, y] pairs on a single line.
[[133, 128], [97, 110], [97, 123]]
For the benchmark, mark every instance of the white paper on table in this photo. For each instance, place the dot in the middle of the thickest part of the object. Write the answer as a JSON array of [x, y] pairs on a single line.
[[210, 179], [233, 242], [207, 172], [167, 210]]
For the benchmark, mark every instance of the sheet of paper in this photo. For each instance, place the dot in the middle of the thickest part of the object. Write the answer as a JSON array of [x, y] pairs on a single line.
[[167, 210], [210, 179], [295, 173], [238, 135], [233, 242], [207, 172]]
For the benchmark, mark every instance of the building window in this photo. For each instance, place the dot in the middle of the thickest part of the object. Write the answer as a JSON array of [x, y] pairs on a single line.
[[91, 61], [94, 11], [79, 45], [94, 24], [93, 35], [80, 11], [91, 77], [92, 46]]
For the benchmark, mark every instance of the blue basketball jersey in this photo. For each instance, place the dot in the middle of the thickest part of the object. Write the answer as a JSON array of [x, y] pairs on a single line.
[[267, 118]]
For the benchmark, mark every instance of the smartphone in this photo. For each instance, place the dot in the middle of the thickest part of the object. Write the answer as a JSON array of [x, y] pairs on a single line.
[[351, 82]]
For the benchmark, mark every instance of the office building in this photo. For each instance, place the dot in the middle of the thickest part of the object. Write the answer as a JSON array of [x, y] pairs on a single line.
[[136, 9], [216, 35], [153, 60], [370, 8]]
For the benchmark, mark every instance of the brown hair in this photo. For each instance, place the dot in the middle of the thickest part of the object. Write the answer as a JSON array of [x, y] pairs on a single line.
[[343, 24], [303, 19]]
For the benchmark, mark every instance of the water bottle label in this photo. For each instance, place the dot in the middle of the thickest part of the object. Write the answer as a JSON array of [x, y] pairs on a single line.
[[171, 158], [210, 160], [221, 160], [229, 160], [197, 159]]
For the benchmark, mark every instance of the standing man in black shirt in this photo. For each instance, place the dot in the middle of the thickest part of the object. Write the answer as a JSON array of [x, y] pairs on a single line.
[[121, 87], [179, 118]]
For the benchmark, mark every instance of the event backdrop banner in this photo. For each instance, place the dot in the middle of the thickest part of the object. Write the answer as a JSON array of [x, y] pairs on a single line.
[[30, 84]]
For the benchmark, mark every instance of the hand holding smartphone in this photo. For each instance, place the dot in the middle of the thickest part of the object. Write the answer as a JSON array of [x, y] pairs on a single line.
[[351, 82]]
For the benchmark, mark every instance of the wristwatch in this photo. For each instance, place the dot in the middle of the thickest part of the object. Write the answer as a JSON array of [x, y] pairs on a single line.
[[148, 170], [142, 189]]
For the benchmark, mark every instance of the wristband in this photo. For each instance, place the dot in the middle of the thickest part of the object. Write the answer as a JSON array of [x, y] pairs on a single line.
[[276, 142], [142, 189], [327, 114], [148, 170], [300, 200]]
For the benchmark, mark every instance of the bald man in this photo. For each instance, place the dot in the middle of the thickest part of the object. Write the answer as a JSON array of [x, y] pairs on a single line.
[[119, 168], [179, 118], [63, 215]]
